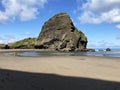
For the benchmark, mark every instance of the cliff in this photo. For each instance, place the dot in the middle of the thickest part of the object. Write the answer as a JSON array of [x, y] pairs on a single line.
[[59, 33]]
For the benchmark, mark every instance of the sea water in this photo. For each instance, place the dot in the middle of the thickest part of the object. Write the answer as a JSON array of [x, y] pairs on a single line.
[[99, 52], [102, 52]]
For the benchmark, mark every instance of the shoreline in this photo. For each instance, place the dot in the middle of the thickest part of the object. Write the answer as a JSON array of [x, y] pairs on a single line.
[[55, 53], [59, 73], [7, 50]]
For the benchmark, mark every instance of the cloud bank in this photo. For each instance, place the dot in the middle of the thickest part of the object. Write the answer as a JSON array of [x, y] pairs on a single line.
[[7, 39], [99, 11], [23, 10]]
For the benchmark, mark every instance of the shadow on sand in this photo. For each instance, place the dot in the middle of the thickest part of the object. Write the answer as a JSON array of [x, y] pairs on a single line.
[[17, 80]]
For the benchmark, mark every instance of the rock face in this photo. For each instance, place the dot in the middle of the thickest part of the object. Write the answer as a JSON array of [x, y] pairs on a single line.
[[59, 33]]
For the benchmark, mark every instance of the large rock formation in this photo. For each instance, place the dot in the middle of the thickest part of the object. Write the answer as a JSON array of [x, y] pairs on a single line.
[[59, 33]]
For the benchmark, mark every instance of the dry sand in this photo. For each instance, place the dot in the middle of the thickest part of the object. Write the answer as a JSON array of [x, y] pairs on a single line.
[[59, 73]]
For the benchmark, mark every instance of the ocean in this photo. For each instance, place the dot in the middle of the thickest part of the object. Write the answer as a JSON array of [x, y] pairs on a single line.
[[99, 52], [102, 52]]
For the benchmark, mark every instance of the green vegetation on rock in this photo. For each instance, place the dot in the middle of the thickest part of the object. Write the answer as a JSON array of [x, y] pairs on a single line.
[[27, 42], [83, 37], [80, 34], [77, 33]]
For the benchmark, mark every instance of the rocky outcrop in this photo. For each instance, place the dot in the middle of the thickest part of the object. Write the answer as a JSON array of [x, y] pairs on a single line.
[[3, 46], [59, 33], [108, 49]]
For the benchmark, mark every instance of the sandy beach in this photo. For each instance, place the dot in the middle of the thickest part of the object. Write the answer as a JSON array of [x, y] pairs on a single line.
[[59, 73]]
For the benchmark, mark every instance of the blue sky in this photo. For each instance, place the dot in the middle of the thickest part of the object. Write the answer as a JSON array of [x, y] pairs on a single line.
[[24, 18]]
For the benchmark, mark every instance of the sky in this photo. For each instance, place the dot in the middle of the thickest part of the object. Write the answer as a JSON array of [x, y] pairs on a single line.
[[99, 20]]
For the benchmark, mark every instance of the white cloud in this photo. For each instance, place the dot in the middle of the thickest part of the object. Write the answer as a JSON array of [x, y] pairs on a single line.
[[7, 39], [28, 34], [102, 44], [3, 18], [98, 11], [22, 9], [101, 5], [118, 26]]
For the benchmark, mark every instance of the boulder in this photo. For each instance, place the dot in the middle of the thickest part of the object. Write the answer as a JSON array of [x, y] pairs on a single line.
[[59, 33], [108, 49]]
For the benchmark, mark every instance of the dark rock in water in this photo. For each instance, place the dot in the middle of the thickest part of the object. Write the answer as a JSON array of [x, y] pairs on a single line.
[[108, 49], [59, 33]]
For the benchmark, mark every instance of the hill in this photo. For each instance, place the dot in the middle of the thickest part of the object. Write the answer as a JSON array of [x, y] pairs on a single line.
[[24, 44]]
